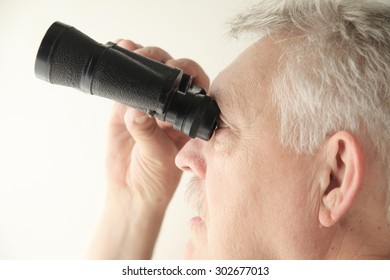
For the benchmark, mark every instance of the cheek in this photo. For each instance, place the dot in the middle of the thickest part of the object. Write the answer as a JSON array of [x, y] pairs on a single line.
[[231, 208], [256, 201]]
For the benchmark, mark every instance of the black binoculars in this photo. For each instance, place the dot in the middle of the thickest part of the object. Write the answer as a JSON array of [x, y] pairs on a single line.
[[68, 57]]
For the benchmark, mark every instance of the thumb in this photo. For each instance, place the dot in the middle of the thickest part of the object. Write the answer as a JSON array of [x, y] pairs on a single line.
[[150, 139]]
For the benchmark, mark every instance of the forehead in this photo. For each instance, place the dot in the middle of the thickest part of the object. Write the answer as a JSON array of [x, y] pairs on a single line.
[[243, 88]]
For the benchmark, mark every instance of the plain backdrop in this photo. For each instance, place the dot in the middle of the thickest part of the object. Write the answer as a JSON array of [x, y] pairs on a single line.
[[53, 139]]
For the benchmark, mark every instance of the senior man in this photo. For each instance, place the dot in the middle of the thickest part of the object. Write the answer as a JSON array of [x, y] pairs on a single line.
[[298, 167]]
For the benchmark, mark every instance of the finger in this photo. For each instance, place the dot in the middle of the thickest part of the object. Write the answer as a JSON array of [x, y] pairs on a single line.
[[150, 139], [154, 53], [128, 44], [119, 139], [178, 138], [193, 69]]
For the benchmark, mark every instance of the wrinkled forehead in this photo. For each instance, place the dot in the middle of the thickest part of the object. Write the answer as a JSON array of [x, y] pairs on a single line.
[[244, 86]]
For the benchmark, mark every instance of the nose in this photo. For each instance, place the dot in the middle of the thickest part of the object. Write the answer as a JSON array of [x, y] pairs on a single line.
[[190, 158]]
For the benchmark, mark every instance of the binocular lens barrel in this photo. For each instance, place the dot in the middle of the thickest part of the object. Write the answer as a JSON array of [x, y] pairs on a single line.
[[68, 57]]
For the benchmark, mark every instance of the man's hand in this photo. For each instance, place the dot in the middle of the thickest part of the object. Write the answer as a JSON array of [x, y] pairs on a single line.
[[141, 172]]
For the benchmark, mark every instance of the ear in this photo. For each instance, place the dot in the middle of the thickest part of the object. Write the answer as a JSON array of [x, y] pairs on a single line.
[[342, 176]]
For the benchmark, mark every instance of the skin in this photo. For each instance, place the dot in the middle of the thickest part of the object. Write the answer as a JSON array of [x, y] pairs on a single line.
[[255, 162], [256, 199], [135, 205]]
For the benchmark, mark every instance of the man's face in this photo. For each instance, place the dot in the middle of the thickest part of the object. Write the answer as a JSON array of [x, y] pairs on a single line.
[[253, 196]]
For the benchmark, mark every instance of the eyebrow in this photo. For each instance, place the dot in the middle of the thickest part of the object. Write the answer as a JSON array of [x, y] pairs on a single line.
[[216, 94], [227, 111], [220, 97], [234, 107], [227, 99]]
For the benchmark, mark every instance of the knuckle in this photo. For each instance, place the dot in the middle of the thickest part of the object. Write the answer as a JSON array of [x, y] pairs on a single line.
[[148, 130], [155, 53], [145, 52], [127, 44], [187, 65]]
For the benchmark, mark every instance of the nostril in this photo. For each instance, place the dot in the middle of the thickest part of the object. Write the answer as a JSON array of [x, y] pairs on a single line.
[[186, 169]]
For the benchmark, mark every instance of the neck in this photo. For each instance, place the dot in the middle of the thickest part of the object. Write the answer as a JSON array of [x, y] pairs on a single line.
[[353, 241]]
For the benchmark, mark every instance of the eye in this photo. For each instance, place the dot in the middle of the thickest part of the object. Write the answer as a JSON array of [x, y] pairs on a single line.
[[221, 124], [221, 132]]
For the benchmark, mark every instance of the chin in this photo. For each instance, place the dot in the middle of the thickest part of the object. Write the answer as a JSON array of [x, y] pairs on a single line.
[[189, 251], [193, 252]]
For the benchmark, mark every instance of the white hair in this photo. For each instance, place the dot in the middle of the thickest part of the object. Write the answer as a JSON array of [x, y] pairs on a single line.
[[346, 44]]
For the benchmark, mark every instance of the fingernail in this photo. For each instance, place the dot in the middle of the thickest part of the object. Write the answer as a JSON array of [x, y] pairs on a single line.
[[141, 119]]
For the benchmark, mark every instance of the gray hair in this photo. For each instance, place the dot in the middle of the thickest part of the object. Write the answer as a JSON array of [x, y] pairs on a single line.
[[348, 86]]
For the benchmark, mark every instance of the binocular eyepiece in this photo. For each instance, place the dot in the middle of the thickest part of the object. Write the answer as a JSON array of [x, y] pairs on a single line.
[[70, 58]]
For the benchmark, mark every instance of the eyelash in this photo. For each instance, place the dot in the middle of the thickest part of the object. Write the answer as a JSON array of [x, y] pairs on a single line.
[[220, 124]]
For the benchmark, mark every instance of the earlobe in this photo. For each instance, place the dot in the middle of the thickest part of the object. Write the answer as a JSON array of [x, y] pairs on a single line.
[[343, 173]]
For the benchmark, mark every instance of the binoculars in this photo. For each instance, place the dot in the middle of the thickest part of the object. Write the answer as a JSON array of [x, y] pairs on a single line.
[[68, 57]]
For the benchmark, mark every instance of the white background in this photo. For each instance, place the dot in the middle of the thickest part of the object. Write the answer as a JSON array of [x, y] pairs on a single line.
[[52, 139]]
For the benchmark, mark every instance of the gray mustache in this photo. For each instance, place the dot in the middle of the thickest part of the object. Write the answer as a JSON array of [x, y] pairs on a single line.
[[195, 197]]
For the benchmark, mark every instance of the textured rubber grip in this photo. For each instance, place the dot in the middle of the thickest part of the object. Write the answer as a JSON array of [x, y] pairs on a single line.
[[70, 58], [126, 78]]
